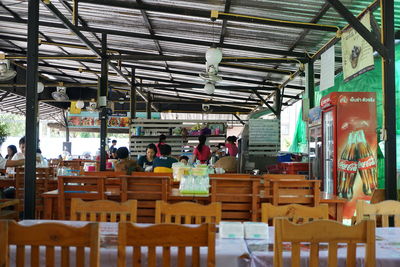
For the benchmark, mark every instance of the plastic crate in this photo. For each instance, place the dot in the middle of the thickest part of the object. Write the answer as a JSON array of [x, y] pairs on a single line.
[[294, 168], [284, 157]]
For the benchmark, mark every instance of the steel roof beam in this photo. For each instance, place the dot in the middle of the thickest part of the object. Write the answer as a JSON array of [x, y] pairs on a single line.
[[86, 41], [224, 23], [370, 37], [202, 59], [163, 38], [204, 14]]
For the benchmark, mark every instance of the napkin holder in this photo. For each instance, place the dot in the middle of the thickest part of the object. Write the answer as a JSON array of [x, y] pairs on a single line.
[[231, 230], [255, 230]]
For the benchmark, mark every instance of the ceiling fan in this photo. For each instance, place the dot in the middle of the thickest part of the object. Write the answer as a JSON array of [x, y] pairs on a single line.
[[60, 94], [213, 58], [6, 72]]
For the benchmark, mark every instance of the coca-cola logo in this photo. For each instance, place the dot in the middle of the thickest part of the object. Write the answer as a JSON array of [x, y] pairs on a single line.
[[347, 166], [367, 163], [325, 101]]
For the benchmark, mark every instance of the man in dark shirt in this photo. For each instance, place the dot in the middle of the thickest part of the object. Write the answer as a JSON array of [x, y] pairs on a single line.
[[165, 160], [113, 148]]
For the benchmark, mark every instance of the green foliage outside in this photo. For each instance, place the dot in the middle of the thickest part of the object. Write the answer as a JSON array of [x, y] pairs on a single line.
[[15, 124], [3, 132]]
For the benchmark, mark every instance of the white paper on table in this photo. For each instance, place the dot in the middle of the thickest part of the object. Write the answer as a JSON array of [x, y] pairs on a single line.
[[255, 230], [327, 79], [231, 230]]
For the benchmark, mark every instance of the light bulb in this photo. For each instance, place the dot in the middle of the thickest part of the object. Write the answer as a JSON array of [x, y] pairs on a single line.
[[80, 104], [209, 88], [213, 56], [40, 87]]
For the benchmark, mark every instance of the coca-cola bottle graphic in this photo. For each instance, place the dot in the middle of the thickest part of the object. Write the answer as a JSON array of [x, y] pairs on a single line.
[[347, 168], [367, 166]]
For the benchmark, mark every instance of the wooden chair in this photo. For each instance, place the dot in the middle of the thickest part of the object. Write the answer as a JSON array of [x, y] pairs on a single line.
[[103, 210], [295, 192], [294, 212], [382, 210], [166, 236], [239, 198], [146, 190], [230, 175], [50, 235], [84, 187], [324, 231], [44, 182], [187, 213], [378, 196], [283, 177], [5, 212]]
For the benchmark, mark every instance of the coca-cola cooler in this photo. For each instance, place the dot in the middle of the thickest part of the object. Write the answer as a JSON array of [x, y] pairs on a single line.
[[315, 144], [349, 161]]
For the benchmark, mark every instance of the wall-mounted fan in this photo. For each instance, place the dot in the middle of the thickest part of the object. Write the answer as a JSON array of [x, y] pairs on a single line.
[[6, 72], [60, 94]]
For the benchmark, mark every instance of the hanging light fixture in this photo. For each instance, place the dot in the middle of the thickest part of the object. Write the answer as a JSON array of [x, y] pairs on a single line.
[[209, 88], [40, 87], [80, 104], [213, 55]]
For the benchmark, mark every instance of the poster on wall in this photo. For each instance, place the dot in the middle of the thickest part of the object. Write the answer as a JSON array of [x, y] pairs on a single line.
[[327, 69], [91, 120], [357, 54]]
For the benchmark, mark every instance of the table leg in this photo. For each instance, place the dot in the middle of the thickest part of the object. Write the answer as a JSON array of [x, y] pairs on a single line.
[[48, 208], [339, 212]]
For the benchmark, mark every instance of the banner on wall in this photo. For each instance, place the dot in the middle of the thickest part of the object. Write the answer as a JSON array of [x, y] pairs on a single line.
[[357, 54], [87, 119]]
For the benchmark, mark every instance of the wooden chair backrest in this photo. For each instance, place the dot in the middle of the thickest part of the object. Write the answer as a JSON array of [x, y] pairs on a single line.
[[5, 212], [378, 196], [384, 209], [104, 173], [166, 236], [283, 176], [187, 213], [103, 210], [230, 175], [324, 231], [73, 164], [296, 192], [83, 187], [50, 235], [43, 184], [146, 190], [294, 212], [239, 197]]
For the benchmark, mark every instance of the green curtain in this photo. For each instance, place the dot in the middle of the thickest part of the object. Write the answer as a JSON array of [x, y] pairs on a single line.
[[367, 82]]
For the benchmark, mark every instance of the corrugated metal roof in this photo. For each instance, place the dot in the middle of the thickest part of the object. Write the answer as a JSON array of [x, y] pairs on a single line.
[[129, 33]]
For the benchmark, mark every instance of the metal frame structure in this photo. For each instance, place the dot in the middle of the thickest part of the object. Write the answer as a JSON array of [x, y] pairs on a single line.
[[156, 51]]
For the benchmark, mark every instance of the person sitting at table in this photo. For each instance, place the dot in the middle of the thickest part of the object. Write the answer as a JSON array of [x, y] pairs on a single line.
[[125, 164], [202, 151], [21, 154], [11, 151], [184, 159], [146, 161], [165, 160]]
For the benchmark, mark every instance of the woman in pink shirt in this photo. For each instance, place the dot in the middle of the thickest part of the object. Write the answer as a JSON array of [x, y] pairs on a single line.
[[161, 141], [231, 146], [202, 151]]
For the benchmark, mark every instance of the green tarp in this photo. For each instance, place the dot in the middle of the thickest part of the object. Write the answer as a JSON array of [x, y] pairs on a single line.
[[367, 82]]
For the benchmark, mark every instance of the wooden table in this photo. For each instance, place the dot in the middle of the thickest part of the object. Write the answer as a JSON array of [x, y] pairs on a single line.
[[335, 205]]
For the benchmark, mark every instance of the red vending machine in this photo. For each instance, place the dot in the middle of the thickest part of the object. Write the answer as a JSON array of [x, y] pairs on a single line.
[[349, 146]]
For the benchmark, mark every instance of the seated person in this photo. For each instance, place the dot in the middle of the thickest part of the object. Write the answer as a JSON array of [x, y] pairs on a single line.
[[165, 160], [125, 164], [146, 162], [229, 164], [184, 159]]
